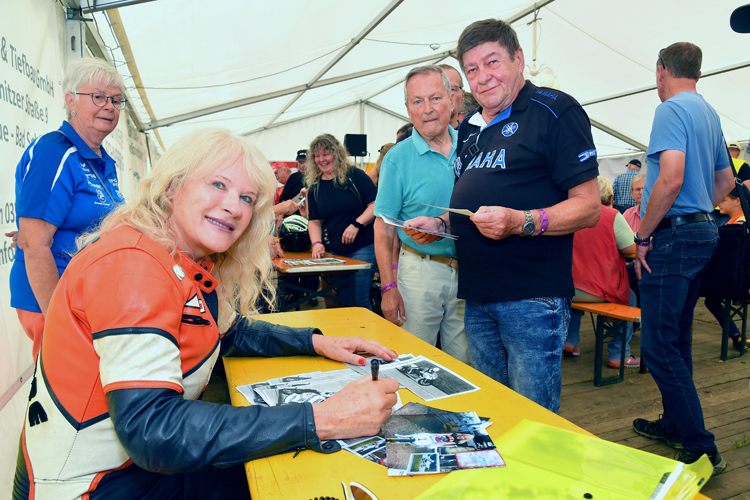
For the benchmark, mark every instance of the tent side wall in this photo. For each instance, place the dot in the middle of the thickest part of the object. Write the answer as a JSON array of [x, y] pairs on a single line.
[[32, 60], [31, 100]]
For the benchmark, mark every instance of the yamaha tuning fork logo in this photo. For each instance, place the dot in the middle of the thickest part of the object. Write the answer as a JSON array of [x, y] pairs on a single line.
[[510, 129]]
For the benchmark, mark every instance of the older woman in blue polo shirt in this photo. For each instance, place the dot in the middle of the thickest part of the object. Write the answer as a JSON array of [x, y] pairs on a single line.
[[65, 184]]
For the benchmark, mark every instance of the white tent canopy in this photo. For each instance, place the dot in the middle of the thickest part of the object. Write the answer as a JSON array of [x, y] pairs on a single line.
[[283, 72]]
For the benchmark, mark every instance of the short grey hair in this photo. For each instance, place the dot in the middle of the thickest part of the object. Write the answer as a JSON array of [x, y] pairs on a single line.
[[446, 67], [79, 72], [426, 70], [640, 176]]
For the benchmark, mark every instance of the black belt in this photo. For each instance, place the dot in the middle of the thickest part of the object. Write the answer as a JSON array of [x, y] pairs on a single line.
[[681, 220]]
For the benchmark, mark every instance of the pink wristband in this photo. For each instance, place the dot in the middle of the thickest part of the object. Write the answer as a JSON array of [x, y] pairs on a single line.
[[544, 222], [644, 245], [387, 287], [316, 242], [394, 266]]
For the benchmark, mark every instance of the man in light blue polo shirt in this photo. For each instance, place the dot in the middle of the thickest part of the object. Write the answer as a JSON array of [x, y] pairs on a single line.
[[418, 170], [687, 176]]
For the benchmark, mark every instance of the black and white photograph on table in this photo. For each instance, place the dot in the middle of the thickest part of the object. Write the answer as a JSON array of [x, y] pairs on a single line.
[[365, 369], [427, 379]]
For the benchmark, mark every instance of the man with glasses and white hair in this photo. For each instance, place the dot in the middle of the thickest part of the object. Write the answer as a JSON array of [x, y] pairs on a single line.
[[421, 297], [686, 178], [457, 93]]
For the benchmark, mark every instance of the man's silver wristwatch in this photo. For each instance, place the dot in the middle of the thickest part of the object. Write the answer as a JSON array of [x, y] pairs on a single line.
[[528, 227]]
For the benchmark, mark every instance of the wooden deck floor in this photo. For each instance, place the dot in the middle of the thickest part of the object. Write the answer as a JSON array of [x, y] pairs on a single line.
[[723, 387], [609, 411]]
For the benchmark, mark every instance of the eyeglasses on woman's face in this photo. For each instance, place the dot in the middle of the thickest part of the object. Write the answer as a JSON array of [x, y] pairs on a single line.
[[100, 99]]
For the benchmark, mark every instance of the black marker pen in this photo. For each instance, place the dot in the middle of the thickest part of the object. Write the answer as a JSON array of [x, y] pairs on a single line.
[[374, 369]]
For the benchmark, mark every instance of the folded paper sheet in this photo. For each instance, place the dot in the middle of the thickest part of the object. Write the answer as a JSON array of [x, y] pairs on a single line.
[[545, 462]]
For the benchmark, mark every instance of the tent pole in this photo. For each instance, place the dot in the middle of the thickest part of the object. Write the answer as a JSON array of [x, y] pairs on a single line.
[[287, 122], [618, 135], [122, 39], [436, 60], [100, 5], [387, 111], [298, 88], [342, 53], [361, 117], [649, 88], [529, 10]]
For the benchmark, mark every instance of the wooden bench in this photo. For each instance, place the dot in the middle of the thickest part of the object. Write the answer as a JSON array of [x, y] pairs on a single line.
[[732, 309], [607, 314]]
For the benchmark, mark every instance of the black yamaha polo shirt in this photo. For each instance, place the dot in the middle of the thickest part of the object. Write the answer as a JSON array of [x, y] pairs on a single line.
[[537, 151]]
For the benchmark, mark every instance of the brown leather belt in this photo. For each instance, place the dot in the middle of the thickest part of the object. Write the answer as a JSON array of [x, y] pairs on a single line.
[[448, 261]]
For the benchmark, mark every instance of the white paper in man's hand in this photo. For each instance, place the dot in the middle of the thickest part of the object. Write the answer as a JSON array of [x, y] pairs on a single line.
[[460, 211], [400, 223]]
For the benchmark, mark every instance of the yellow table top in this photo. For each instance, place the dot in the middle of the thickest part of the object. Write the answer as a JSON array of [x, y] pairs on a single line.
[[313, 474]]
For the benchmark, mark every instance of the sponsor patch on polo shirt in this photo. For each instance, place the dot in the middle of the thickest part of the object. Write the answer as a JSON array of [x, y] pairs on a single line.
[[586, 155]]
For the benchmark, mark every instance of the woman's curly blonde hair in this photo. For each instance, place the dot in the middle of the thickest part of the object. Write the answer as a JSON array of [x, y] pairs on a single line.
[[243, 270], [341, 165]]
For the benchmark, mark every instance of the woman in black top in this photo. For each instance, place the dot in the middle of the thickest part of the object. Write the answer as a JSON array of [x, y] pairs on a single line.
[[342, 199]]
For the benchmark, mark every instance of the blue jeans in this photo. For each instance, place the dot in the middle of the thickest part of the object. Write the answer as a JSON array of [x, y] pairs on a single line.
[[362, 278], [668, 297], [574, 332], [519, 343]]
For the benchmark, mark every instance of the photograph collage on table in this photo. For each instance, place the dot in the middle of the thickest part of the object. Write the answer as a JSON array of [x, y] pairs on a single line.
[[436, 443]]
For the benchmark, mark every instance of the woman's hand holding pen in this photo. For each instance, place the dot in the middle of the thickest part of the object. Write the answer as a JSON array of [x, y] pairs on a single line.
[[359, 409]]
